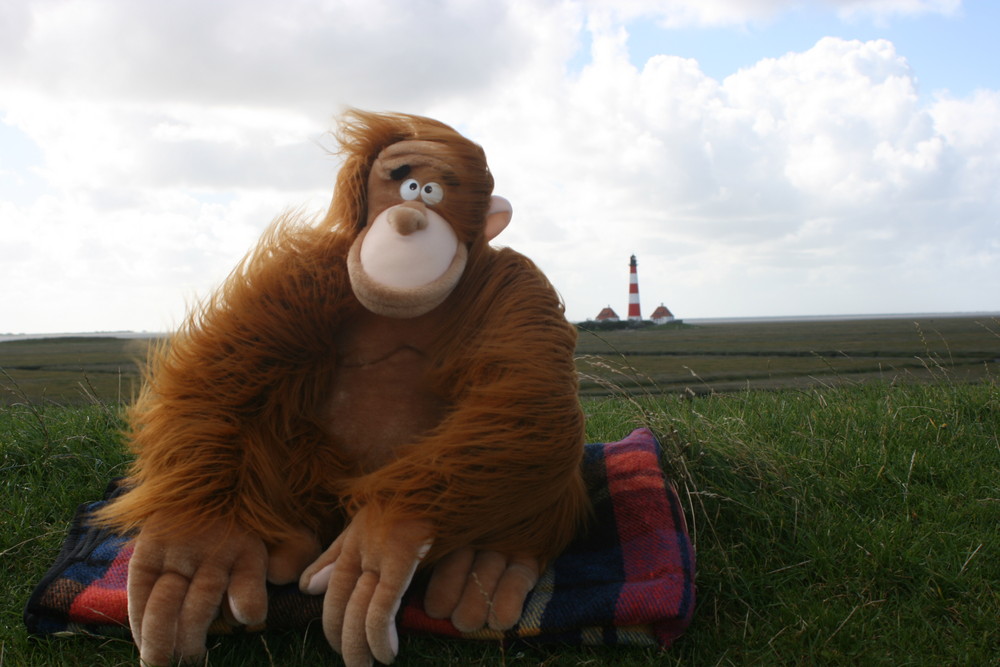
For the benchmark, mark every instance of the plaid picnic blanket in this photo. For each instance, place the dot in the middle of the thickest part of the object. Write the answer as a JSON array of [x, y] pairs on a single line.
[[628, 580]]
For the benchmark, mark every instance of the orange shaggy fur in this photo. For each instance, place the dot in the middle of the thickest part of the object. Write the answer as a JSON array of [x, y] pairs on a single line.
[[230, 423]]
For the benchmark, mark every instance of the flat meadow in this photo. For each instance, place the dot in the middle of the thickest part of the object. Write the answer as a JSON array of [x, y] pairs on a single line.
[[841, 482]]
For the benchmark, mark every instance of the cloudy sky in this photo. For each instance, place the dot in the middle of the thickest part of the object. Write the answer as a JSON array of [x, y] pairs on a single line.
[[760, 157]]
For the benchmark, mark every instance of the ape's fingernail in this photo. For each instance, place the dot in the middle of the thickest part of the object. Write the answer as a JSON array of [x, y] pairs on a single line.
[[394, 640], [319, 581]]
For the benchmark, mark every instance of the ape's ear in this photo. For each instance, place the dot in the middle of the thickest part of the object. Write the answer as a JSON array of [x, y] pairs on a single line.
[[498, 217]]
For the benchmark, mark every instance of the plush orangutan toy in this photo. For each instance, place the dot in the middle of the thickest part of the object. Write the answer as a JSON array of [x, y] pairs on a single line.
[[368, 395]]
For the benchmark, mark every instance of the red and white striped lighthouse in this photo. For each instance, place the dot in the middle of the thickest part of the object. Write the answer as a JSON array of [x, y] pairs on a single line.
[[633, 293]]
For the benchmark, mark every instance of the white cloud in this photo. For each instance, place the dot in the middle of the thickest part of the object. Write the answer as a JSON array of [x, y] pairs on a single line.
[[299, 54], [715, 13], [884, 9]]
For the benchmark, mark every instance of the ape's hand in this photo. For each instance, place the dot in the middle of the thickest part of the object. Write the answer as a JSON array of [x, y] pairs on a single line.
[[177, 587], [365, 573], [479, 588]]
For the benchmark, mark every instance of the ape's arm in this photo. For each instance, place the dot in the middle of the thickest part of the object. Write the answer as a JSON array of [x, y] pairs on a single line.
[[224, 401], [212, 484]]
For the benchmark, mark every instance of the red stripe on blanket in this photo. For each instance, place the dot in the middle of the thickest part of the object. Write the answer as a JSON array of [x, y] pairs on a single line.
[[655, 578], [105, 601]]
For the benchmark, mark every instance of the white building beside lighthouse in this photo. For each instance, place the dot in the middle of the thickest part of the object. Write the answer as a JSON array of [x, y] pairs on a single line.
[[662, 315]]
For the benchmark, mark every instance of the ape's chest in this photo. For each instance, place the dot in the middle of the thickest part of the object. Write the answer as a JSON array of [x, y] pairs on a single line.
[[381, 396]]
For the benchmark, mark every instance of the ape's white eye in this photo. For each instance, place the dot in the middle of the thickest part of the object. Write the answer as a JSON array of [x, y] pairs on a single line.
[[410, 189], [432, 193]]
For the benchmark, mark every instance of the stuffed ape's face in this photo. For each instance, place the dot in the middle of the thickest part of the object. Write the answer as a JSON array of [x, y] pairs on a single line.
[[409, 257]]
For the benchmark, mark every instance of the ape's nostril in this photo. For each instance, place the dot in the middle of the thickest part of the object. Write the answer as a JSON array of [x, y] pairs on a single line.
[[406, 220]]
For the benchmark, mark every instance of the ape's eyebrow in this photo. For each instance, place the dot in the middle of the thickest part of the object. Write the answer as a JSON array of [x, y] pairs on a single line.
[[400, 172]]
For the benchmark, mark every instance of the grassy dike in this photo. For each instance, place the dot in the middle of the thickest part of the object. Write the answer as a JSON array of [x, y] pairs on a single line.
[[846, 525]]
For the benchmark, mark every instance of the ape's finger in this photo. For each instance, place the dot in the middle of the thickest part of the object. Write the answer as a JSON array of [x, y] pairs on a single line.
[[473, 609], [354, 638], [316, 576], [201, 605], [158, 630], [447, 582], [342, 582], [144, 569], [380, 621], [247, 586], [287, 560], [516, 582]]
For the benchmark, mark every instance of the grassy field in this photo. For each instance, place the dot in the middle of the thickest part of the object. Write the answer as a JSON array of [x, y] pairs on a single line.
[[851, 519], [781, 354], [71, 370], [666, 359]]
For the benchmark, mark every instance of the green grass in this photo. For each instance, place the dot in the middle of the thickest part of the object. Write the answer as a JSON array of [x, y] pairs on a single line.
[[850, 526], [857, 523]]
